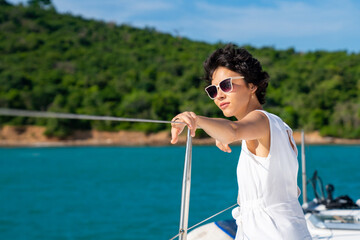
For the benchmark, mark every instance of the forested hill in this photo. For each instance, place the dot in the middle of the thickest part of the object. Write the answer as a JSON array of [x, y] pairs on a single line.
[[65, 63]]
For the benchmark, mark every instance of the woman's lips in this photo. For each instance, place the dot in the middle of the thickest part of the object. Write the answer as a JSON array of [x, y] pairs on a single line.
[[224, 105]]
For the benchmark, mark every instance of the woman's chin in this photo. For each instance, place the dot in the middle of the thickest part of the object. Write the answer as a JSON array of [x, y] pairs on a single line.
[[227, 113]]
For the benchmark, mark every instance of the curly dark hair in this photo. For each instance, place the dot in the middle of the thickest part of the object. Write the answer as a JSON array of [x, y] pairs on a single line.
[[241, 61]]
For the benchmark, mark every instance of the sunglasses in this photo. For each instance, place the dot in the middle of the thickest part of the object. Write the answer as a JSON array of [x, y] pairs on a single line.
[[225, 85]]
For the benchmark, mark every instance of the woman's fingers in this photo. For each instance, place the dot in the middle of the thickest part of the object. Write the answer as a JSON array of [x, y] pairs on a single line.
[[227, 148], [189, 119], [193, 126], [175, 134], [220, 146], [176, 129], [223, 147]]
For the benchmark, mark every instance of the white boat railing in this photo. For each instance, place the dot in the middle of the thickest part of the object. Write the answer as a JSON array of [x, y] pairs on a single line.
[[303, 167], [29, 113], [185, 196]]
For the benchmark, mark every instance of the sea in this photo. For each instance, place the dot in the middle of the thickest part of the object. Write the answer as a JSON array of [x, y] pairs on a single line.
[[134, 193]]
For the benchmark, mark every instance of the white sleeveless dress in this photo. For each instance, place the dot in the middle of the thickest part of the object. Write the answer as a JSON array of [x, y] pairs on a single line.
[[268, 192]]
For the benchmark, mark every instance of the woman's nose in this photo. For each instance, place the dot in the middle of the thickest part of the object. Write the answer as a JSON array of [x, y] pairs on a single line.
[[220, 95]]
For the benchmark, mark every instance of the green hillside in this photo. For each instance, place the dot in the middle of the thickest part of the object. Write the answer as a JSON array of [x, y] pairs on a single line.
[[65, 63]]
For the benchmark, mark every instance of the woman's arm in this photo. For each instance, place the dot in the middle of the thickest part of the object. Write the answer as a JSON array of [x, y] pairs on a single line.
[[253, 126]]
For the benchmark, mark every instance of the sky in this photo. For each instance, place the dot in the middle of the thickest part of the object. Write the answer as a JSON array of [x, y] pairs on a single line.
[[308, 25]]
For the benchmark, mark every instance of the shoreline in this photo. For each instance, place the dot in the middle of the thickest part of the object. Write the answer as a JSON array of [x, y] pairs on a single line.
[[32, 136]]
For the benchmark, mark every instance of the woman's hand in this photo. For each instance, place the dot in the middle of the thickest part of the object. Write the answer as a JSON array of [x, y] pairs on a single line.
[[189, 118], [223, 147]]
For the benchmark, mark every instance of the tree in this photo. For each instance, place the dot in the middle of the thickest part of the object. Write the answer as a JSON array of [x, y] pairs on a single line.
[[40, 3], [4, 3]]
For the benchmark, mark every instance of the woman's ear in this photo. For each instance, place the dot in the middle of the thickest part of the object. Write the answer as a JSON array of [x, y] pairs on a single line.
[[252, 87]]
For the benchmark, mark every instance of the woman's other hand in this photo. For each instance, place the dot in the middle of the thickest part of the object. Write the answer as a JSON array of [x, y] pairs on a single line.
[[223, 147], [189, 118]]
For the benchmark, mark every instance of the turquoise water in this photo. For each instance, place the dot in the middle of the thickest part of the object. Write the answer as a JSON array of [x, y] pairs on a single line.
[[132, 193]]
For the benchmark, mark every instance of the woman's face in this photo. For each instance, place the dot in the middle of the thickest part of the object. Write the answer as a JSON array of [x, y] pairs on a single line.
[[239, 101]]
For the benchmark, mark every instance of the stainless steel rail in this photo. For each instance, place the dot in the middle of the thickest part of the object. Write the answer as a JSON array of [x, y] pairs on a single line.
[[303, 167], [29, 113], [185, 196]]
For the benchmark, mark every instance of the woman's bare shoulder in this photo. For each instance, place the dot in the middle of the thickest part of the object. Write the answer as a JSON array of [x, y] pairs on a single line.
[[256, 116], [255, 125]]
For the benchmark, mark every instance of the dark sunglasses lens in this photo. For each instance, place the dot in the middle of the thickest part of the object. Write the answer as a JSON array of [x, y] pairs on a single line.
[[225, 85], [212, 91]]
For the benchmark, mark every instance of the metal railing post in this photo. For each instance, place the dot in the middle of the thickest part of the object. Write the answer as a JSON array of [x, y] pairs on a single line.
[[303, 166], [185, 197]]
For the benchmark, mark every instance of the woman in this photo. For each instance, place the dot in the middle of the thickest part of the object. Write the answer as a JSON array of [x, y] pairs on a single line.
[[267, 168]]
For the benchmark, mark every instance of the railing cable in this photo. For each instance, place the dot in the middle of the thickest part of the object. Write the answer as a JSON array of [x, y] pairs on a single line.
[[30, 113], [205, 220]]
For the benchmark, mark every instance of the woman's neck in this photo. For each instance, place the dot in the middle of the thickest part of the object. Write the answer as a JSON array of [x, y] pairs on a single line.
[[253, 105]]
